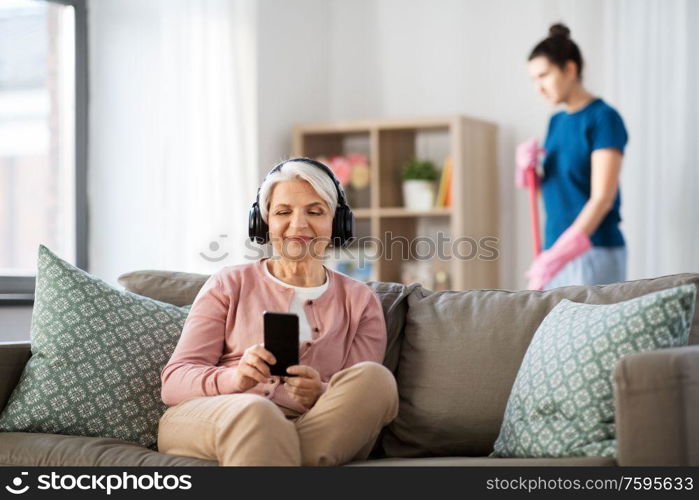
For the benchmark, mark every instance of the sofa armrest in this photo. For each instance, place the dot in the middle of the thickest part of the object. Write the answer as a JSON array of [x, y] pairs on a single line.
[[657, 407], [13, 357]]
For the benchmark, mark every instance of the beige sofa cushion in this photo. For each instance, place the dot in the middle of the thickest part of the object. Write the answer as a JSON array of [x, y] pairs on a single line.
[[55, 450], [172, 287], [460, 355]]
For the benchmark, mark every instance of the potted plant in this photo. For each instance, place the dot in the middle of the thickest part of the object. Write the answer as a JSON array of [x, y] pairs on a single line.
[[418, 184]]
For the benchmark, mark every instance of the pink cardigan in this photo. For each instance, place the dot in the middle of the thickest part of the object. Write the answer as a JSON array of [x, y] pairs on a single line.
[[347, 326]]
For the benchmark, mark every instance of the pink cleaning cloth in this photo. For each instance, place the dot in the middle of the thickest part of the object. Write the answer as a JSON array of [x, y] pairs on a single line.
[[526, 157]]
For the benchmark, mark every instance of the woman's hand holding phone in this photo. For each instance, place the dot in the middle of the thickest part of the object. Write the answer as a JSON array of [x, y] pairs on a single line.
[[305, 387], [253, 368]]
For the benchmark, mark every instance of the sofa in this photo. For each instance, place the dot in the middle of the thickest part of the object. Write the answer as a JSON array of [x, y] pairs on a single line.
[[455, 355]]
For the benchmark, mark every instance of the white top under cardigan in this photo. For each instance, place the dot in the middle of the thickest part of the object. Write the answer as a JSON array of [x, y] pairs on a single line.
[[301, 295]]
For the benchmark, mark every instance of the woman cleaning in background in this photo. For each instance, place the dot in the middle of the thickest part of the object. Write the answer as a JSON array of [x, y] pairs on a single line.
[[580, 184]]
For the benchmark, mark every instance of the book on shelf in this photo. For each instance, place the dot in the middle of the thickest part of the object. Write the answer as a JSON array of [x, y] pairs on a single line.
[[444, 192]]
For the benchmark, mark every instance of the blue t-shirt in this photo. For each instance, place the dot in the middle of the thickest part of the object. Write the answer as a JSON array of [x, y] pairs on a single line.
[[570, 141]]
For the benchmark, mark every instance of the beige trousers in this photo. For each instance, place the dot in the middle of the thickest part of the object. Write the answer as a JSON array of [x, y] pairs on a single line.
[[247, 429]]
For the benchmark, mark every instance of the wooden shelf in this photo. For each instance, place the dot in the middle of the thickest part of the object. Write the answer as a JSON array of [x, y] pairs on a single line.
[[388, 143], [366, 126], [366, 213]]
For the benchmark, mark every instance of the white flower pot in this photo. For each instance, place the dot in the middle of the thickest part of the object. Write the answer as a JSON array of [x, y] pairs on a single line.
[[418, 195]]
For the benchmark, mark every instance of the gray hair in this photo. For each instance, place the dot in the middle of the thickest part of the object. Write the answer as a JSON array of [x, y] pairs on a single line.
[[295, 170]]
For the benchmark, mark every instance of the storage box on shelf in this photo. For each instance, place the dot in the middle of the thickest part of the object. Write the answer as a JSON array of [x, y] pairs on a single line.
[[389, 143]]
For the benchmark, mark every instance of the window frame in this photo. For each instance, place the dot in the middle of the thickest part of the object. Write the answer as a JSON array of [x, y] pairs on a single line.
[[19, 290]]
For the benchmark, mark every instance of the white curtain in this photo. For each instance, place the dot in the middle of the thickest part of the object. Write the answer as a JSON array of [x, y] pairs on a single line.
[[173, 147], [205, 163], [653, 78]]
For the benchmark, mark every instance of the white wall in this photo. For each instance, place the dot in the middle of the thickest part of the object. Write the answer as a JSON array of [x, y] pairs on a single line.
[[294, 60]]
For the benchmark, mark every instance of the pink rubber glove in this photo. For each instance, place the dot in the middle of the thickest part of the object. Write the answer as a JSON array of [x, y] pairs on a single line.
[[526, 157], [568, 246]]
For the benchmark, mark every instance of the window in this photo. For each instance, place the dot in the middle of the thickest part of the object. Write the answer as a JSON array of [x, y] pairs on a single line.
[[43, 124]]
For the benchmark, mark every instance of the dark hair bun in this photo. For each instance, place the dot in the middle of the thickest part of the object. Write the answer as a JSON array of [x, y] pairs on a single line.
[[558, 48], [559, 29]]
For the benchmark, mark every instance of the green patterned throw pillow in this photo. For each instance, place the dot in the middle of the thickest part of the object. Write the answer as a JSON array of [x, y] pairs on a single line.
[[96, 358], [562, 403]]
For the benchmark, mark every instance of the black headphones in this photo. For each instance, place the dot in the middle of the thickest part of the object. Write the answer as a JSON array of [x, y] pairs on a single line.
[[343, 222]]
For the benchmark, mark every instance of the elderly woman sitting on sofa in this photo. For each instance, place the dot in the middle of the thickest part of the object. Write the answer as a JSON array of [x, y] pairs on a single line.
[[224, 403]]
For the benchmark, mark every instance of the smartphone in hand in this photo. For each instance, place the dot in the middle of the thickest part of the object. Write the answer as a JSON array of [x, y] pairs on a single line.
[[282, 340]]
